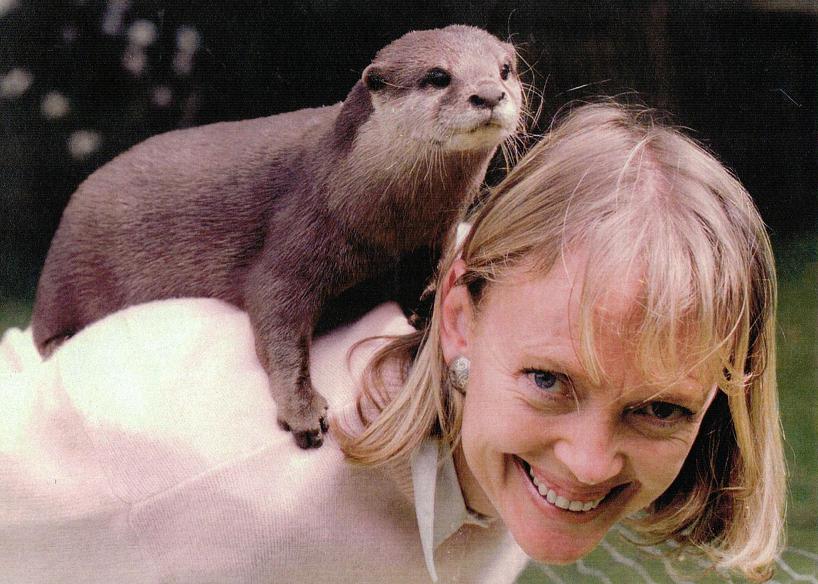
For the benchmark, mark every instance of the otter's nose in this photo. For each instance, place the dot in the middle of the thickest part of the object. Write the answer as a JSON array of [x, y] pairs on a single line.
[[487, 96]]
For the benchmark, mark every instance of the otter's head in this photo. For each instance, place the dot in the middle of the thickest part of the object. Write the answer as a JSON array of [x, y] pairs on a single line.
[[454, 89]]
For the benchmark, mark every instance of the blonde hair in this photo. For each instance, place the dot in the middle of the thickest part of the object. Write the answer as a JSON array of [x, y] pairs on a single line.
[[637, 195]]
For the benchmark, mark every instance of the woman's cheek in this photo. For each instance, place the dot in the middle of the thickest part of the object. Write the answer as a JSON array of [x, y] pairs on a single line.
[[659, 464], [509, 426]]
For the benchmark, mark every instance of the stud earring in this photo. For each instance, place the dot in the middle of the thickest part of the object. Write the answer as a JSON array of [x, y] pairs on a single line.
[[459, 374]]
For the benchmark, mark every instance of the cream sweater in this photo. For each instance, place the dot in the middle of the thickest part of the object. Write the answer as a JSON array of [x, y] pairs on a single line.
[[146, 450]]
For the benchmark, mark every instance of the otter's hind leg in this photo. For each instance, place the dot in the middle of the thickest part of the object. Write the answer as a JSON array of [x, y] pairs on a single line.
[[52, 321], [71, 294]]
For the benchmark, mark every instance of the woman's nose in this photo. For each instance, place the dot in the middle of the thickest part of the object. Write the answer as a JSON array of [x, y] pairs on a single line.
[[588, 448]]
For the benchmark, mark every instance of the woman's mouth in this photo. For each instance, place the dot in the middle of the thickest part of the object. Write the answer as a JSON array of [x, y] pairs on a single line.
[[559, 501], [555, 499]]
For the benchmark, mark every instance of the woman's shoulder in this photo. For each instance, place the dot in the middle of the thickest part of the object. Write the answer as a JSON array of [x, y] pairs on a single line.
[[172, 389], [165, 391], [169, 360]]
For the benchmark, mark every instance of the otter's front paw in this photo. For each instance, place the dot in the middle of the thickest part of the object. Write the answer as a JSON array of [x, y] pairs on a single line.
[[307, 421]]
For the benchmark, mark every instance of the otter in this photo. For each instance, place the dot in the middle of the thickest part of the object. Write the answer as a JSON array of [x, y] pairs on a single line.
[[280, 215]]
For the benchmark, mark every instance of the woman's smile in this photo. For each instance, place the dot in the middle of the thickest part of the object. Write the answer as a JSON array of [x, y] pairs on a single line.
[[574, 500]]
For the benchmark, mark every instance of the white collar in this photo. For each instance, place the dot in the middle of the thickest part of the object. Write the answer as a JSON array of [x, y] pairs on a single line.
[[439, 503]]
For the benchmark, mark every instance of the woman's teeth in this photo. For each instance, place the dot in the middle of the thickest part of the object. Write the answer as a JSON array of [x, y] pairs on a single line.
[[552, 497]]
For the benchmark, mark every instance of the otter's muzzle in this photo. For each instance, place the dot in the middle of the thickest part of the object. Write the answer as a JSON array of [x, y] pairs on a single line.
[[487, 96]]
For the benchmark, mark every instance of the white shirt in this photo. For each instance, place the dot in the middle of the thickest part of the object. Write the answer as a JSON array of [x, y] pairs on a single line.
[[146, 450]]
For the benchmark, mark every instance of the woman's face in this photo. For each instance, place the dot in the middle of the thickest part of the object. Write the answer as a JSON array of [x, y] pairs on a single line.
[[559, 458]]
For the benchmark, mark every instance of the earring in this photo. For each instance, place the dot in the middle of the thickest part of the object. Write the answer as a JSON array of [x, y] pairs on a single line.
[[459, 374]]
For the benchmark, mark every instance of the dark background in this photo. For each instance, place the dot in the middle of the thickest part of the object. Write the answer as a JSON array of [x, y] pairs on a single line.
[[742, 76]]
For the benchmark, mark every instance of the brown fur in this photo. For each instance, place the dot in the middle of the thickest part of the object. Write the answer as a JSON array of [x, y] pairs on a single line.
[[280, 214]]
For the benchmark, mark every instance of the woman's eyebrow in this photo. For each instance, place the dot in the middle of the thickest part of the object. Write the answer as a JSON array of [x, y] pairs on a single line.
[[558, 362], [693, 396]]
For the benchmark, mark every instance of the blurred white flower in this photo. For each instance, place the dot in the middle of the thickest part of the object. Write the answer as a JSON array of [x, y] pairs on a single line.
[[15, 83], [7, 6], [54, 105], [187, 39], [113, 16], [134, 60], [162, 96], [83, 143], [142, 33]]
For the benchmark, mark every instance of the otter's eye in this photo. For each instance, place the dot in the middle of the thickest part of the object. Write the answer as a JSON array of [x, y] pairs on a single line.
[[505, 71], [436, 77], [375, 82]]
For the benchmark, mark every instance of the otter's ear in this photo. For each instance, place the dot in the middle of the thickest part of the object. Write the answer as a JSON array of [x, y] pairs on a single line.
[[373, 78]]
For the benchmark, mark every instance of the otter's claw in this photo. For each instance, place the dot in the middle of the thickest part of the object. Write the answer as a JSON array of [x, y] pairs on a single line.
[[306, 432], [308, 438]]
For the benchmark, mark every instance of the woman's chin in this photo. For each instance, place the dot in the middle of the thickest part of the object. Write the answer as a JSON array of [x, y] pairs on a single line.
[[548, 547], [553, 536], [557, 552]]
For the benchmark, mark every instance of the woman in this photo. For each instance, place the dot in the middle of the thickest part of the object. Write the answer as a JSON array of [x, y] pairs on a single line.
[[601, 349]]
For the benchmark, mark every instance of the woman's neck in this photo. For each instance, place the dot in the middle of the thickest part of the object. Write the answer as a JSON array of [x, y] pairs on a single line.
[[474, 496]]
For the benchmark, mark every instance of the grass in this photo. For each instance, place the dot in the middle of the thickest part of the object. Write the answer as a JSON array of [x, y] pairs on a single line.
[[798, 382], [617, 561], [14, 313]]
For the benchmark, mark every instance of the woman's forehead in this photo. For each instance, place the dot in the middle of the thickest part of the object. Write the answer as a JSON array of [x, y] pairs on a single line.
[[540, 312], [533, 310], [557, 294]]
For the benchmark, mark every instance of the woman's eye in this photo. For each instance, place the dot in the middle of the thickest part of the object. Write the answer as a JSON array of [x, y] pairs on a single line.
[[436, 78], [505, 71], [664, 412], [546, 381]]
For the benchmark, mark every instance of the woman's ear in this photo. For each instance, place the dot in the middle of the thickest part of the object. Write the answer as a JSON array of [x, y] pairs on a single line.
[[457, 314]]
